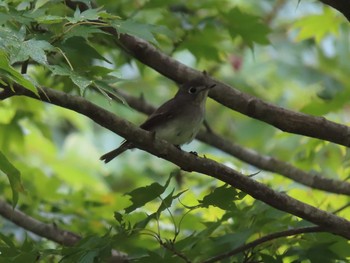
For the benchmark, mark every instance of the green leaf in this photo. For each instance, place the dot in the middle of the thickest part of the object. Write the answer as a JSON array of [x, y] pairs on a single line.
[[248, 27], [14, 75], [89, 14], [222, 197], [49, 19], [144, 31], [40, 3], [233, 239], [104, 81], [20, 50], [159, 3], [80, 53], [14, 16], [89, 249], [83, 31], [14, 177], [167, 201], [318, 26], [11, 38], [202, 44], [81, 81], [142, 195], [6, 239], [34, 49]]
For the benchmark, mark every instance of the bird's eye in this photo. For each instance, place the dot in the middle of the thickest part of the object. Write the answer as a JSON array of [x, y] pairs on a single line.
[[192, 90]]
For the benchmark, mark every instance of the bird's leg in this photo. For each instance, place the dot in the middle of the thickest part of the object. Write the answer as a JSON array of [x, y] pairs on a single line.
[[178, 146], [207, 127], [194, 153], [153, 134]]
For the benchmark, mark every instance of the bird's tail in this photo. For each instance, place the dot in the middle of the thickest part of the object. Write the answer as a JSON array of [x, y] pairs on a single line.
[[114, 153]]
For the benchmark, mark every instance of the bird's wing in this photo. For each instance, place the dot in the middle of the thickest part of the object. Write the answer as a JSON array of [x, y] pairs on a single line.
[[161, 115]]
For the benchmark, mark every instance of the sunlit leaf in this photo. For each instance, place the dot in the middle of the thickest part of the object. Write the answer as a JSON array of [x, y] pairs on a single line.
[[13, 74], [34, 49], [318, 26], [89, 14], [14, 177]]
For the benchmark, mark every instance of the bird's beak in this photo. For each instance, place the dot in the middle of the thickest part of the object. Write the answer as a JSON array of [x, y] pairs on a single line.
[[204, 88], [209, 87]]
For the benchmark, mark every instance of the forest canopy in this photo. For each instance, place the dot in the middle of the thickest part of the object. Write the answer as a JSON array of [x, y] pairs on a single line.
[[269, 179]]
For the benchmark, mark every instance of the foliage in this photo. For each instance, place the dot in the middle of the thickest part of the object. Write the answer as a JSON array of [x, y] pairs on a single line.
[[283, 52]]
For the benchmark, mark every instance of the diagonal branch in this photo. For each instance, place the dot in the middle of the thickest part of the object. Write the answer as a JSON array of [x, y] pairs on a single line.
[[253, 244], [189, 162], [281, 118], [264, 162], [49, 231], [269, 237], [314, 180], [5, 93]]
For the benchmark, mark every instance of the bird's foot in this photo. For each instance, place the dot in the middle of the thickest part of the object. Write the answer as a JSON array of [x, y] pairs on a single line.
[[194, 153]]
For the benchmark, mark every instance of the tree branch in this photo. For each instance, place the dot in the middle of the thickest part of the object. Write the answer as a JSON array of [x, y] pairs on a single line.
[[49, 231], [259, 241], [189, 162], [250, 156], [268, 163], [5, 93], [283, 119]]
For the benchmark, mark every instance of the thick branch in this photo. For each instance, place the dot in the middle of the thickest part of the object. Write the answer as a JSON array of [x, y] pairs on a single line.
[[49, 231], [264, 239], [189, 162], [283, 119], [5, 93], [264, 162]]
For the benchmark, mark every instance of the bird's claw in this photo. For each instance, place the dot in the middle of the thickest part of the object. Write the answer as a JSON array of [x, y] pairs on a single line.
[[194, 153]]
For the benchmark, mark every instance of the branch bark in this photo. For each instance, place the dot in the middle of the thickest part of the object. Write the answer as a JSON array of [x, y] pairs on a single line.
[[250, 156], [49, 231], [189, 162], [283, 119], [259, 241]]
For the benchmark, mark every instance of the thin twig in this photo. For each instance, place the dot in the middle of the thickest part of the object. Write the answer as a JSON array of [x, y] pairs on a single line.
[[250, 245]]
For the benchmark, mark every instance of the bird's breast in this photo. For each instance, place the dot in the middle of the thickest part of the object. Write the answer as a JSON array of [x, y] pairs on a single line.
[[181, 129]]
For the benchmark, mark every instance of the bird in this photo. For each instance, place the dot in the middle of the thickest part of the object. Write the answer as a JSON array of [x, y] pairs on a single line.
[[178, 120]]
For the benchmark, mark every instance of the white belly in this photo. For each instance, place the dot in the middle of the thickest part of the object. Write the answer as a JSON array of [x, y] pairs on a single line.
[[180, 132]]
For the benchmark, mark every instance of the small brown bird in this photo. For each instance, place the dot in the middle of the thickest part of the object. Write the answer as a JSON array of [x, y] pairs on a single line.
[[177, 120]]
